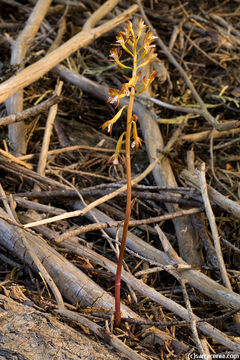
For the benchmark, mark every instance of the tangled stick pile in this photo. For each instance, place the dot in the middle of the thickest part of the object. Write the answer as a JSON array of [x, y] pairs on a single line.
[[62, 203]]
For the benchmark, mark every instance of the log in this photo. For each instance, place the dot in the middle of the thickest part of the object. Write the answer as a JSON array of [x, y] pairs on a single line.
[[27, 333]]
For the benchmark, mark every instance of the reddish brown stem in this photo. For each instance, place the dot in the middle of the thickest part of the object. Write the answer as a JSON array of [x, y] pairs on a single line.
[[129, 199], [128, 40]]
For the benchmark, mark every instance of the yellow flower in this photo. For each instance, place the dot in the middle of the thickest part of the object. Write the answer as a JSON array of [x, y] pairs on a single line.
[[147, 44], [137, 141], [122, 42], [114, 159], [109, 124], [141, 26], [146, 82], [116, 155], [115, 55], [115, 95], [149, 58]]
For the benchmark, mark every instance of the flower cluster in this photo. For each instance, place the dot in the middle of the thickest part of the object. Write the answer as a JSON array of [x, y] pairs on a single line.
[[141, 56]]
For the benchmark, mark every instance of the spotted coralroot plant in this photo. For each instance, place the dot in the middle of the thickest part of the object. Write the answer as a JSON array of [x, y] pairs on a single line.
[[141, 55]]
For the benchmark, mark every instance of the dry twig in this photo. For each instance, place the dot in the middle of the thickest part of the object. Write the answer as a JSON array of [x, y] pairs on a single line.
[[33, 254], [102, 333], [35, 71], [98, 226], [21, 45], [150, 292], [170, 251], [222, 201], [35, 110], [47, 135], [210, 119], [212, 222], [95, 203]]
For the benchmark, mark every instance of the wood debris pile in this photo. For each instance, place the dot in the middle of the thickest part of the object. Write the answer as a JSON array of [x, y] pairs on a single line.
[[62, 201]]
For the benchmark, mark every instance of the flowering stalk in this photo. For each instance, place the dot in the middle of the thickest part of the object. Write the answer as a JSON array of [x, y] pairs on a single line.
[[141, 56]]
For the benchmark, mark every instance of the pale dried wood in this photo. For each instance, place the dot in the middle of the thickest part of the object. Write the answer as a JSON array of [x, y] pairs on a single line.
[[20, 47], [27, 333], [47, 135], [213, 226], [162, 173], [95, 203], [99, 14], [193, 322], [30, 175], [73, 284], [29, 249], [205, 135], [163, 176], [35, 71], [15, 160], [150, 292], [162, 337], [195, 278], [106, 336], [32, 111], [232, 207]]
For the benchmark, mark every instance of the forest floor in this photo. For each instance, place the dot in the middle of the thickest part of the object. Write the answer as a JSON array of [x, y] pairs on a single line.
[[63, 200]]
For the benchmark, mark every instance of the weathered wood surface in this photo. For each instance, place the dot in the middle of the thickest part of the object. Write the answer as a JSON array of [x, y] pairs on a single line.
[[27, 334]]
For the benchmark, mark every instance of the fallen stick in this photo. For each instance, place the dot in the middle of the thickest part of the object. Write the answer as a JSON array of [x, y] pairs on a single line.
[[73, 284], [222, 201], [198, 280], [27, 333], [102, 333], [42, 161], [156, 296], [35, 71], [32, 111], [95, 203], [19, 50]]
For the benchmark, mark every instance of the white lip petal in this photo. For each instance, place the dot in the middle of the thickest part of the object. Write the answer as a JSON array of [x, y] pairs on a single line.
[[115, 161], [114, 100], [148, 47]]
